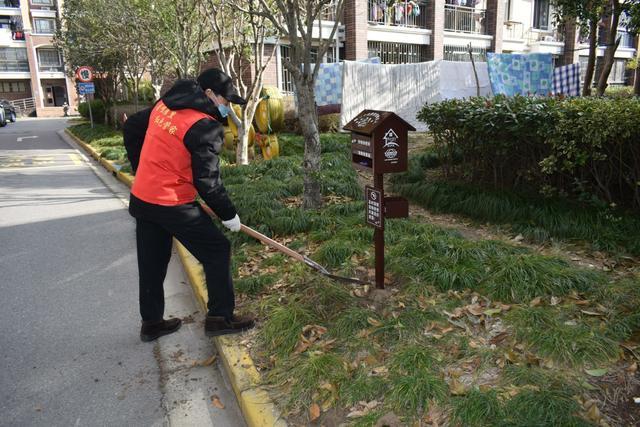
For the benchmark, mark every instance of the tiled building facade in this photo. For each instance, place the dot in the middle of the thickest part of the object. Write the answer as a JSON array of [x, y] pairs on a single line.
[[402, 31], [32, 70]]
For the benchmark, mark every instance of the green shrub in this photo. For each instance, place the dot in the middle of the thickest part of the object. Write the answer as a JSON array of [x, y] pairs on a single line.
[[97, 110], [597, 144], [585, 147], [500, 140]]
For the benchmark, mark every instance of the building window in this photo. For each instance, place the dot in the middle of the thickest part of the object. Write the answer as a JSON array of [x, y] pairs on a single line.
[[43, 2], [507, 10], [285, 53], [541, 14], [13, 59], [8, 87], [44, 25], [461, 53], [50, 60], [618, 71], [397, 53]]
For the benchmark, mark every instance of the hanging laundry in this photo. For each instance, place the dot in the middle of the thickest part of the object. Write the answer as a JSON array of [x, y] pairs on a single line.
[[457, 79], [566, 80], [523, 74], [399, 12], [328, 86], [416, 9], [401, 88]]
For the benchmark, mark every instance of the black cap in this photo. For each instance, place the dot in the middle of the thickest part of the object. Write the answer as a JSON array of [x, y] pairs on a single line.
[[221, 84]]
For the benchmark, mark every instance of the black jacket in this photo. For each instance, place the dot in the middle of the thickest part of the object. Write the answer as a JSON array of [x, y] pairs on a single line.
[[204, 140]]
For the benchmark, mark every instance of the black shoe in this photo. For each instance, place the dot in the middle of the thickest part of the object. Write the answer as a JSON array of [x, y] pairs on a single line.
[[153, 330], [218, 325]]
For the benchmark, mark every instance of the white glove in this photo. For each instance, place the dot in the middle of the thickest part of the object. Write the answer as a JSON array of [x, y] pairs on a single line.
[[233, 224]]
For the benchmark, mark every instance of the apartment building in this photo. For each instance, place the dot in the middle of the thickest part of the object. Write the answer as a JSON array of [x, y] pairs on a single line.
[[32, 70], [405, 31]]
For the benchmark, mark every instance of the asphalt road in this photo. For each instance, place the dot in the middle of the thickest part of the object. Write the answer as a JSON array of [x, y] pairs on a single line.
[[70, 353]]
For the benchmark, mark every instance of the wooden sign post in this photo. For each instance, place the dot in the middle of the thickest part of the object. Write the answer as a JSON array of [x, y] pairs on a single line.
[[379, 141]]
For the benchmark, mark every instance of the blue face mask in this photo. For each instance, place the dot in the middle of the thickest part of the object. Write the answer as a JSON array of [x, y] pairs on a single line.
[[223, 110]]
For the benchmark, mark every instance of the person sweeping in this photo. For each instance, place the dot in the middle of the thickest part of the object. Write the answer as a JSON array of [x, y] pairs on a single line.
[[173, 148]]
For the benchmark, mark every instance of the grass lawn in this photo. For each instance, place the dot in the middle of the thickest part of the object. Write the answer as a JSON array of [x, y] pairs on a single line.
[[467, 333], [470, 332], [537, 219], [105, 140]]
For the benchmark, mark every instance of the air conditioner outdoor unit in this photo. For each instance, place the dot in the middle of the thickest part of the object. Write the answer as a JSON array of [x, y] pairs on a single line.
[[549, 38]]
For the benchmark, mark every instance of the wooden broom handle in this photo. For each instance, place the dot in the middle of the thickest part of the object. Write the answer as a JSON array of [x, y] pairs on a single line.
[[259, 236]]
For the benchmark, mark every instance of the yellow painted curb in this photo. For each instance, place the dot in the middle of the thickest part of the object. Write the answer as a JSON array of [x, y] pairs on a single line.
[[255, 403]]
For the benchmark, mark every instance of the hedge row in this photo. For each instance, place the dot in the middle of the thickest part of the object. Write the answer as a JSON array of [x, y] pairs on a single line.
[[586, 147]]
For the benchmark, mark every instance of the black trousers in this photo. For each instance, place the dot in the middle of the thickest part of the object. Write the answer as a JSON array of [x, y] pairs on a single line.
[[191, 226]]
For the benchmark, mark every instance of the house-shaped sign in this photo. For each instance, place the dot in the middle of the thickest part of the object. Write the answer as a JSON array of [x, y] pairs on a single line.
[[379, 141]]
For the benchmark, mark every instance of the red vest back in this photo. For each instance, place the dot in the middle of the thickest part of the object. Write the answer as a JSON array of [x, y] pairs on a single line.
[[164, 175]]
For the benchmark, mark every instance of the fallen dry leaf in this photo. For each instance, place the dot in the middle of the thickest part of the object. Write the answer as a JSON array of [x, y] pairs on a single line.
[[380, 370], [492, 311], [374, 322], [215, 401], [594, 413], [475, 309], [555, 300], [205, 362], [535, 302], [457, 388], [591, 313], [314, 412]]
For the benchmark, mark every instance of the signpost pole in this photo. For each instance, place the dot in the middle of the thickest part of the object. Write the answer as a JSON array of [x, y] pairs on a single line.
[[89, 97], [378, 234]]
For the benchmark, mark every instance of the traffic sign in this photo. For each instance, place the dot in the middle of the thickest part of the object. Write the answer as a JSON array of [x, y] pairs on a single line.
[[84, 74], [86, 88]]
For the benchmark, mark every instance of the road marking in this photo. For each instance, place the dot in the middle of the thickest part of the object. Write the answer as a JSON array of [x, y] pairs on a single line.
[[76, 159], [20, 138], [11, 162]]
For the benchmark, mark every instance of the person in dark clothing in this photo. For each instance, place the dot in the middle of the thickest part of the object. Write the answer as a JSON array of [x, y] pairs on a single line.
[[173, 148]]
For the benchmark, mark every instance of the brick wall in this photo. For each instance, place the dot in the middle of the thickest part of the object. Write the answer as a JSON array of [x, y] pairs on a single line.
[[270, 75], [495, 23], [356, 27], [435, 22]]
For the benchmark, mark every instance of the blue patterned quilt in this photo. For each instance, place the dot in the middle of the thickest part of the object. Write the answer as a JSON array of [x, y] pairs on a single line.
[[328, 86], [524, 74]]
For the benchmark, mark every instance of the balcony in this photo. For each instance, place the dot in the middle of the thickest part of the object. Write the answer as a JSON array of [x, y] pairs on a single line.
[[329, 12], [51, 68], [513, 30], [401, 14], [14, 66], [463, 19]]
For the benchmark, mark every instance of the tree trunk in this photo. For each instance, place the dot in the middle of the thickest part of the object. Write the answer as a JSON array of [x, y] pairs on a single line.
[[612, 46], [591, 62], [242, 150], [308, 122], [636, 73]]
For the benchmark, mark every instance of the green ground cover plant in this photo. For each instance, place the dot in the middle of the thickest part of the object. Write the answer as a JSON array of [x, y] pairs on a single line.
[[106, 141], [538, 219], [466, 333], [474, 332]]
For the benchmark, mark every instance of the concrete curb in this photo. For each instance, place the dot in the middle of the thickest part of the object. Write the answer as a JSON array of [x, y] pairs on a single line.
[[255, 403]]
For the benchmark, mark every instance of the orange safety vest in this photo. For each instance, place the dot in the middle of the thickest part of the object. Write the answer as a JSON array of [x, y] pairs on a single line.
[[164, 175]]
